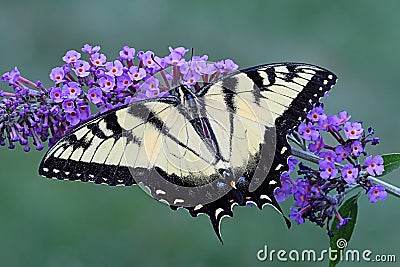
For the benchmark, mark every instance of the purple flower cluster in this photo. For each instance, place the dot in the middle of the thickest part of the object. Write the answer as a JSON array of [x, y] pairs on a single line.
[[318, 191], [84, 88]]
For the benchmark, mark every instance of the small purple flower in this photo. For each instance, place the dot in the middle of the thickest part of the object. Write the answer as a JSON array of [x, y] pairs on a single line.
[[181, 51], [342, 152], [328, 155], [353, 130], [300, 197], [71, 56], [292, 162], [81, 68], [341, 119], [356, 148], [296, 215], [123, 81], [98, 59], [300, 184], [285, 178], [115, 68], [72, 117], [308, 132], [282, 193], [100, 72], [230, 65], [68, 105], [199, 66], [191, 78], [317, 114], [12, 76], [375, 141], [175, 58], [84, 112], [349, 173], [151, 93], [210, 69], [324, 125], [88, 49], [151, 84], [377, 192], [374, 165], [316, 191], [106, 83], [147, 59], [317, 146], [56, 94], [328, 169], [55, 110], [127, 53], [139, 55], [57, 75], [95, 95], [159, 64], [136, 73], [220, 65], [71, 90]]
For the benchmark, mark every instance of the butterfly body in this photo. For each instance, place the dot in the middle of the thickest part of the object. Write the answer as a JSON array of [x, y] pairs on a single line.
[[204, 150]]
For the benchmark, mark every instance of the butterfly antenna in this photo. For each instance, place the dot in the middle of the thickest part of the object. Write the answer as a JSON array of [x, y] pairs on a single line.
[[192, 54], [162, 71]]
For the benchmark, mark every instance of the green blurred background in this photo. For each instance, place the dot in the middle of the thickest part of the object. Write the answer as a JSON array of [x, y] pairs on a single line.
[[53, 223]]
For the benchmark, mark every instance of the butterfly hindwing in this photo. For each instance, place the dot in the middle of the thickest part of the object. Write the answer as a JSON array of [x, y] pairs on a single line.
[[281, 95]]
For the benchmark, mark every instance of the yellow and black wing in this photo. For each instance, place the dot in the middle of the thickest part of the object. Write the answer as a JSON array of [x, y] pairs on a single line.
[[230, 151]]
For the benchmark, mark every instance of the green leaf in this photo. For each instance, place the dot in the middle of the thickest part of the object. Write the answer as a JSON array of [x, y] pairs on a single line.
[[348, 210], [391, 163]]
